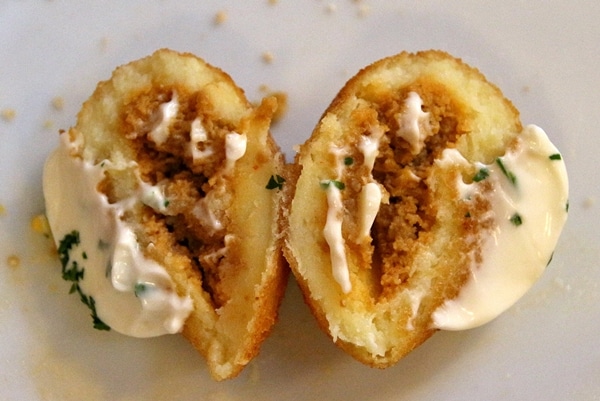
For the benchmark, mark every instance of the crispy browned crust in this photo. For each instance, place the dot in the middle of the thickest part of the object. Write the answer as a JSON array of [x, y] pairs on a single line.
[[463, 105]]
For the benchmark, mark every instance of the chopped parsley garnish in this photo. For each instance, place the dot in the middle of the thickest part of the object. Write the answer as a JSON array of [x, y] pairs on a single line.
[[516, 219], [555, 156], [91, 303], [275, 182], [73, 273], [139, 289], [338, 184], [468, 214], [66, 244], [166, 203], [567, 207], [481, 175], [348, 161], [507, 173]]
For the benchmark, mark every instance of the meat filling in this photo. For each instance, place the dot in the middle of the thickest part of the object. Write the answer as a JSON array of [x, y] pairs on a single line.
[[407, 212], [186, 161]]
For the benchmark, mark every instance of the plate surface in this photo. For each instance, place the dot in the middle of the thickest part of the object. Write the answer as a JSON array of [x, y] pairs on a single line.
[[52, 54]]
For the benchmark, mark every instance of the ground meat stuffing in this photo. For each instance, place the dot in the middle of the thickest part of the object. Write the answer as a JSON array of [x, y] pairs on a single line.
[[407, 218], [194, 217]]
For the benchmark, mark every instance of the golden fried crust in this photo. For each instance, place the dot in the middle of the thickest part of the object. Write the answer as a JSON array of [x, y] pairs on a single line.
[[416, 255], [219, 236]]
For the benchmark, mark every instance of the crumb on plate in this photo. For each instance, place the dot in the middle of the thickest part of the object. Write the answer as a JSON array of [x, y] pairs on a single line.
[[220, 17], [268, 57], [103, 44], [8, 114], [48, 124], [589, 202], [58, 102], [363, 10], [39, 224], [13, 261], [2, 210]]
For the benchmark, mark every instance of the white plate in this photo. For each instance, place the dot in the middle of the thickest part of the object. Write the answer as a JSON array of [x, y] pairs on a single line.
[[545, 58]]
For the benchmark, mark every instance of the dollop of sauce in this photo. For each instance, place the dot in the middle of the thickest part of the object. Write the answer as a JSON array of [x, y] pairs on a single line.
[[198, 135], [167, 112], [133, 294], [413, 123], [369, 202], [529, 209], [235, 147], [333, 235], [153, 196]]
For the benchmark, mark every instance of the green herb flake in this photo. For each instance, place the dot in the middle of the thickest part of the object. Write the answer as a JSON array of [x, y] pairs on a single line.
[[507, 173], [275, 182], [348, 161], [338, 184], [98, 323], [555, 156], [468, 215], [516, 219], [481, 175], [139, 289], [74, 273], [64, 247], [567, 207], [166, 203]]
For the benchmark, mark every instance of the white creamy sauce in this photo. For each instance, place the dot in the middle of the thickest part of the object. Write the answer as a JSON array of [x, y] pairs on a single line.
[[413, 123], [235, 147], [152, 196], [333, 235], [370, 197], [369, 147], [529, 212], [133, 294], [167, 112], [333, 225], [198, 135], [369, 201]]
